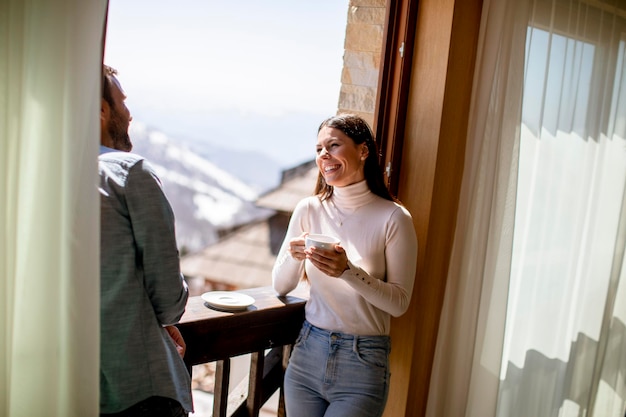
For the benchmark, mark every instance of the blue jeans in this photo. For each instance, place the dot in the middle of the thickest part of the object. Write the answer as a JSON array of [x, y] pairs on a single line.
[[337, 375]]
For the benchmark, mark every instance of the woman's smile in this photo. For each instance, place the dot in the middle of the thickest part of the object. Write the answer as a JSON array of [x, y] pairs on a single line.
[[339, 159]]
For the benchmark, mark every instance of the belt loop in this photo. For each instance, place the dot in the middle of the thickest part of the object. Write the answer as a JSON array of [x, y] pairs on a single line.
[[355, 344], [307, 330]]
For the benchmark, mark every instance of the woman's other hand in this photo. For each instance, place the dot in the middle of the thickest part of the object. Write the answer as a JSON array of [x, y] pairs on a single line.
[[332, 262], [296, 247]]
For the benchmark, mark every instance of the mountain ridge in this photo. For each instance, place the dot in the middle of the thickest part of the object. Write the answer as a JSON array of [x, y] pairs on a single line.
[[212, 190]]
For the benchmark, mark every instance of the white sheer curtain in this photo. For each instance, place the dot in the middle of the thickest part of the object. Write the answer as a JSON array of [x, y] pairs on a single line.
[[564, 349], [50, 65], [534, 316]]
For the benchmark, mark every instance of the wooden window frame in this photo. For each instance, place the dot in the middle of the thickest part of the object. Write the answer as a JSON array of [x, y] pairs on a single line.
[[394, 86]]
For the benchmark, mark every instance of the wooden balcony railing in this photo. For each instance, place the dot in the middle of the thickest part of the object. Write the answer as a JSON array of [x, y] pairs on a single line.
[[271, 323]]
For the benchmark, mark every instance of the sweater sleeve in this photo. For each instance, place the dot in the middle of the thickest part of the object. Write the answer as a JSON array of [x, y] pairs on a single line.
[[394, 293], [287, 271]]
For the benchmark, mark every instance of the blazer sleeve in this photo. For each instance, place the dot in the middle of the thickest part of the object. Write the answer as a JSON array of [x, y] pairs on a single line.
[[153, 226]]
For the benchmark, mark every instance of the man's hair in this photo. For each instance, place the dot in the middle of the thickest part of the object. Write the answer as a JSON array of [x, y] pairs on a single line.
[[107, 80]]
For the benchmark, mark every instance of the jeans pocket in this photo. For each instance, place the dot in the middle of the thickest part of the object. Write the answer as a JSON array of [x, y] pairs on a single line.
[[302, 336], [373, 355]]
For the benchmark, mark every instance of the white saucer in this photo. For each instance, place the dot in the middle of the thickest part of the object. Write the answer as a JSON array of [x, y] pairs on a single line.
[[227, 300]]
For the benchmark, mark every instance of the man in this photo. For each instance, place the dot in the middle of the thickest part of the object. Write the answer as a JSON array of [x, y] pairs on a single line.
[[143, 293]]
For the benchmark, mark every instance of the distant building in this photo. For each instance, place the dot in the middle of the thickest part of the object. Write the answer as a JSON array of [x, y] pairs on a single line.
[[244, 258]]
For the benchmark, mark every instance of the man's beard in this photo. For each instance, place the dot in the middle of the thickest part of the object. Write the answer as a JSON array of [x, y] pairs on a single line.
[[119, 133]]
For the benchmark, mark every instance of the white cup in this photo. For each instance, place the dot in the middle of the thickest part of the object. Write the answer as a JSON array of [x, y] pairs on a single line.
[[321, 241]]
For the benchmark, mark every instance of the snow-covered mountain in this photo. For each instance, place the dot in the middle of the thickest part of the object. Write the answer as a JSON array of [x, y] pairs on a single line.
[[211, 190]]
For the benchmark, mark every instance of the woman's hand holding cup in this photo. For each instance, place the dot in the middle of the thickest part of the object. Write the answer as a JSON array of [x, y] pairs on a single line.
[[297, 246], [325, 253]]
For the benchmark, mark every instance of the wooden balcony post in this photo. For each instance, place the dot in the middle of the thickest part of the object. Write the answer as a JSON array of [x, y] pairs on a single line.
[[220, 390], [255, 387]]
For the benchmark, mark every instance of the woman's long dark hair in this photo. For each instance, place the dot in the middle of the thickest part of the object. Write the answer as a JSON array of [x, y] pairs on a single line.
[[359, 131]]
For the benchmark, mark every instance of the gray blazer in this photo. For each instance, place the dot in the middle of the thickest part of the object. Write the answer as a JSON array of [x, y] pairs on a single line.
[[142, 288]]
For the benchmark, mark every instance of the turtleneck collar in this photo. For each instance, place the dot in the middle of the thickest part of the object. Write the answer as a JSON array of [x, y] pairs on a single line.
[[352, 196]]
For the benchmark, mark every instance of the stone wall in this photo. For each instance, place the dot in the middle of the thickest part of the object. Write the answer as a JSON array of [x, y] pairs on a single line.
[[362, 55]]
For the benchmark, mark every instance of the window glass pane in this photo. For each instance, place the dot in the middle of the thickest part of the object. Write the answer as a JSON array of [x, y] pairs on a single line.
[[557, 83]]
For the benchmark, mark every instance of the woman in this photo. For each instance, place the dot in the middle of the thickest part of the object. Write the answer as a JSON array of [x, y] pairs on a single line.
[[339, 365]]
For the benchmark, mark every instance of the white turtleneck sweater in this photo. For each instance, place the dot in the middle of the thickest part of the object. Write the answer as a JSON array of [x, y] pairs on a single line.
[[380, 242]]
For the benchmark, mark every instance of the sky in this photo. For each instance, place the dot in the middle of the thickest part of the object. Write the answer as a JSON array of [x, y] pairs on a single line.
[[249, 74]]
